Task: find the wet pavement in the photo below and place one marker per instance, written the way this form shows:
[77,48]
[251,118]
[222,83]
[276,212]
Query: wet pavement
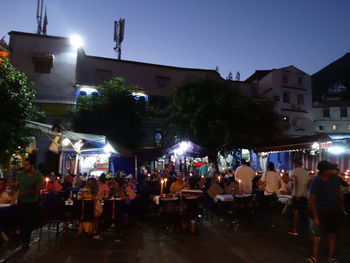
[226,239]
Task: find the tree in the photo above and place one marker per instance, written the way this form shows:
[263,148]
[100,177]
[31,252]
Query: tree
[214,114]
[229,76]
[111,111]
[16,99]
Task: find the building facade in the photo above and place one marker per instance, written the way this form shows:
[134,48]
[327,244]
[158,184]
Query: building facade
[60,72]
[332,117]
[50,62]
[289,89]
[331,97]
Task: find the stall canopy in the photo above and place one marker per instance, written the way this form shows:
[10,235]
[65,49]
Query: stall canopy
[89,141]
[293,144]
[184,148]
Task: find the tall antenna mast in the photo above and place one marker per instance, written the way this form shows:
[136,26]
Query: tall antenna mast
[119,27]
[39,14]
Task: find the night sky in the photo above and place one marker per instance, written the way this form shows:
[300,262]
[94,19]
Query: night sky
[235,35]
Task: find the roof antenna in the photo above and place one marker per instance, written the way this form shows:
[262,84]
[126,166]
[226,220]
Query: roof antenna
[119,27]
[45,23]
[39,15]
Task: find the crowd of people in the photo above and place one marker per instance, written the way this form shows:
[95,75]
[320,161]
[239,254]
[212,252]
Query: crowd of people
[325,195]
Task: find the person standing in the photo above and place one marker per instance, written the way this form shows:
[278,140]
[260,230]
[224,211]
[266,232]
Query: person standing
[326,202]
[29,183]
[203,170]
[272,181]
[212,170]
[300,182]
[246,175]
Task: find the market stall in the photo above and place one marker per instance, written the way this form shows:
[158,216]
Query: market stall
[81,152]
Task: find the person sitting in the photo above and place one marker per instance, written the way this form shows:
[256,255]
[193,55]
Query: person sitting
[178,185]
[54,185]
[286,185]
[230,185]
[117,189]
[214,188]
[6,216]
[5,196]
[77,182]
[67,184]
[103,186]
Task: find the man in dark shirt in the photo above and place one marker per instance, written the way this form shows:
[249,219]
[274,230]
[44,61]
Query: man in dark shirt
[29,183]
[325,201]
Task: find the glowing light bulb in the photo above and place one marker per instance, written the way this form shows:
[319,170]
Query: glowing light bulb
[76,41]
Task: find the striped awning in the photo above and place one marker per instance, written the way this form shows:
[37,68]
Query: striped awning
[292,144]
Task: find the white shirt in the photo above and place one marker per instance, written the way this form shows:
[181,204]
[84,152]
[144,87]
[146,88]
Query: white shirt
[272,180]
[246,175]
[300,178]
[211,171]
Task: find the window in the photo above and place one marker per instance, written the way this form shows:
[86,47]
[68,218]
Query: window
[162,81]
[43,62]
[343,112]
[326,113]
[300,81]
[286,98]
[334,127]
[300,99]
[103,75]
[285,79]
[320,127]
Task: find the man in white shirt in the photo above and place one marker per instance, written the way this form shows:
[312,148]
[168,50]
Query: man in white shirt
[300,181]
[246,175]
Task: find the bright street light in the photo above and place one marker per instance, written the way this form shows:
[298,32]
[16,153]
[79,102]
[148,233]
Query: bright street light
[76,41]
[66,142]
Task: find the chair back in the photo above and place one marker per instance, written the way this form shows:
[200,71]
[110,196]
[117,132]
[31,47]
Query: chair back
[169,206]
[53,210]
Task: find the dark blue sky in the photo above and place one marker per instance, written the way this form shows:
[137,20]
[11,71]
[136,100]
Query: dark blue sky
[236,35]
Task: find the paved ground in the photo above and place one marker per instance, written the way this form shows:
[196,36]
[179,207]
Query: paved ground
[224,240]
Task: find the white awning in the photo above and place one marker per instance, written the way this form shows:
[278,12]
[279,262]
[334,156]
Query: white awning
[47,129]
